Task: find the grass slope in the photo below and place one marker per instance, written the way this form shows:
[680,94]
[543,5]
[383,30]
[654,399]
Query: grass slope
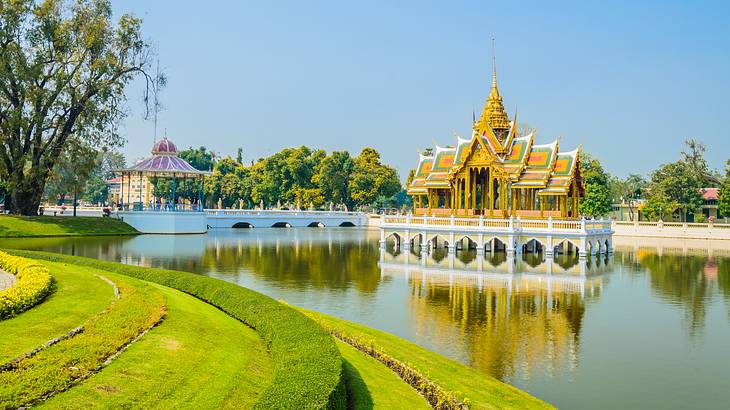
[372,385]
[37,226]
[483,391]
[308,367]
[58,367]
[79,295]
[198,357]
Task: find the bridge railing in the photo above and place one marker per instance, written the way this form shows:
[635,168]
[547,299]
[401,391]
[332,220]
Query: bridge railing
[496,225]
[278,212]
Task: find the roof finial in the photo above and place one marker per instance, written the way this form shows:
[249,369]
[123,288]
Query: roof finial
[494,65]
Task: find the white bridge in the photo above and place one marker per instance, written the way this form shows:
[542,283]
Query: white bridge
[513,235]
[239,218]
[180,220]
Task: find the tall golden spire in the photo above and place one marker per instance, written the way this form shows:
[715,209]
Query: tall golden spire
[494,114]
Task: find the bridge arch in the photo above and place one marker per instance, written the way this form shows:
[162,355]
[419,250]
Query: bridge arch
[470,243]
[417,239]
[242,225]
[316,225]
[493,242]
[533,245]
[437,239]
[347,224]
[395,236]
[281,225]
[563,244]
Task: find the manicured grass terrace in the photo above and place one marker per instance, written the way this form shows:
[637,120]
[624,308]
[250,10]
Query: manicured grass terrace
[38,226]
[196,357]
[200,357]
[482,390]
[307,366]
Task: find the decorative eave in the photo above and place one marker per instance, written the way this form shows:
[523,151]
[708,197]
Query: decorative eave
[523,161]
[476,140]
[512,134]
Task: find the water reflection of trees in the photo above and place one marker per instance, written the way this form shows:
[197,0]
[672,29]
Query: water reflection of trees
[688,281]
[301,263]
[508,327]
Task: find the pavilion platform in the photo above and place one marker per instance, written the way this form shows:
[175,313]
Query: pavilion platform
[511,235]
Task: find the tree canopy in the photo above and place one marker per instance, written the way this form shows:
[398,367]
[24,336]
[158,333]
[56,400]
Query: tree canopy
[303,178]
[63,69]
[597,201]
[677,186]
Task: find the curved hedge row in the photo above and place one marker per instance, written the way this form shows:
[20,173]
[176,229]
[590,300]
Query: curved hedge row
[307,364]
[33,284]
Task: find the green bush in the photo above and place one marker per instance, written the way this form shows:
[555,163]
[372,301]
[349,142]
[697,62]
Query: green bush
[307,364]
[33,284]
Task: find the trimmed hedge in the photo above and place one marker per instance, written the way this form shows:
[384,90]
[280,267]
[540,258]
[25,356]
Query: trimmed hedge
[308,372]
[33,284]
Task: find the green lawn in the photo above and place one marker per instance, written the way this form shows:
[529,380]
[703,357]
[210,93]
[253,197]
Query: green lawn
[60,366]
[483,391]
[307,365]
[37,226]
[79,295]
[201,357]
[198,357]
[370,384]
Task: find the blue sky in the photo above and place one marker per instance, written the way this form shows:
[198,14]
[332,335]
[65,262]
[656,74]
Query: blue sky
[629,81]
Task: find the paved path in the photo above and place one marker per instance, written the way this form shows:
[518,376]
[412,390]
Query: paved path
[6,280]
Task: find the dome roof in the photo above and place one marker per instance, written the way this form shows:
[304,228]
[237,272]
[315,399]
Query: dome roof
[164,147]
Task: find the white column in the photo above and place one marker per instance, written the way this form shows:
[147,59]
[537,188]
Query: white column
[582,252]
[549,244]
[424,243]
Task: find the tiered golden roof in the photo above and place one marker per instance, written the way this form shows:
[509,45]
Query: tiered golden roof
[493,114]
[525,164]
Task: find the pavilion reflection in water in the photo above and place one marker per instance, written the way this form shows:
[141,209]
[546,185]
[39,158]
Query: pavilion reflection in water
[512,317]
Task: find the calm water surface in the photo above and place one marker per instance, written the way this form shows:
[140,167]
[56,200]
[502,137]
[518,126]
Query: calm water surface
[646,328]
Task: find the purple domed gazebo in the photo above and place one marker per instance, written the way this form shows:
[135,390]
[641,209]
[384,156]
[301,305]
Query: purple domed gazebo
[164,163]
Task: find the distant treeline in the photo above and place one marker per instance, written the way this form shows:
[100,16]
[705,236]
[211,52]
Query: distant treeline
[294,178]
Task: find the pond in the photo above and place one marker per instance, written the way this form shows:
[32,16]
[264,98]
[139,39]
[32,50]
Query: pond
[648,327]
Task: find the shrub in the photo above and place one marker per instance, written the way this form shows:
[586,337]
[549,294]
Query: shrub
[438,397]
[33,284]
[307,364]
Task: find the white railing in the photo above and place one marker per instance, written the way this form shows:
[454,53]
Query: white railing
[685,225]
[496,225]
[279,212]
[709,230]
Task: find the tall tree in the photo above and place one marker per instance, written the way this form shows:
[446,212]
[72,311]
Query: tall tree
[97,191]
[723,204]
[63,69]
[72,171]
[678,184]
[628,190]
[371,179]
[333,177]
[694,157]
[597,201]
[200,158]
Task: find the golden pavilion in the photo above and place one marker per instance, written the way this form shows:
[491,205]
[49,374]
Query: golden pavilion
[498,173]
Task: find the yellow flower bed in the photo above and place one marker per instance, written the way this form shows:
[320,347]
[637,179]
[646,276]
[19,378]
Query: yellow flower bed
[33,284]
